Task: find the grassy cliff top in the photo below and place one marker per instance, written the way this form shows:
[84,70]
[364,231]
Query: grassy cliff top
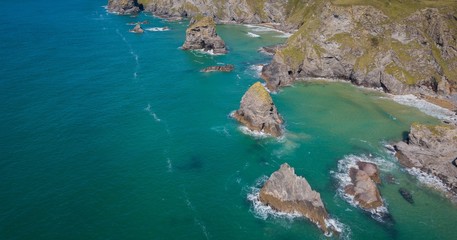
[258,90]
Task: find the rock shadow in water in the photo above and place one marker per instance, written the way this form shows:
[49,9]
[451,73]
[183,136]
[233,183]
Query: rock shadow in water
[193,163]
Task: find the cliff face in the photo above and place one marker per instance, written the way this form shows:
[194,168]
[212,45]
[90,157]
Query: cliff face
[124,7]
[239,11]
[201,34]
[403,47]
[433,149]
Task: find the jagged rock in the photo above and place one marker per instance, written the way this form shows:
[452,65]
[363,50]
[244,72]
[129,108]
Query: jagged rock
[286,192]
[363,187]
[201,34]
[224,68]
[406,195]
[432,149]
[137,29]
[258,112]
[270,50]
[124,7]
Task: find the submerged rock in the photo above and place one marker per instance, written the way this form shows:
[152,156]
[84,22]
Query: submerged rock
[363,188]
[258,112]
[124,7]
[201,34]
[224,68]
[431,149]
[286,192]
[137,29]
[406,195]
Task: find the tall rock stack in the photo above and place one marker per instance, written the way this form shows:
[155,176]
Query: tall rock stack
[201,35]
[258,112]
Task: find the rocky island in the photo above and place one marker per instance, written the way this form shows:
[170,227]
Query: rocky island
[286,192]
[433,150]
[363,186]
[258,112]
[201,35]
[223,68]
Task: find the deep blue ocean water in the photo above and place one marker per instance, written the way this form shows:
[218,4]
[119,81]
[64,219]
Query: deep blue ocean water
[105,134]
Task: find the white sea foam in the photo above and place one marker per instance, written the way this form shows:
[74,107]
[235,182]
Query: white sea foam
[169,165]
[153,114]
[196,219]
[426,107]
[428,179]
[134,55]
[157,29]
[250,34]
[256,28]
[221,130]
[255,134]
[343,178]
[255,70]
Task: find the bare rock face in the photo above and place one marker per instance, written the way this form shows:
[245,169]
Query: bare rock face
[258,112]
[363,187]
[415,53]
[224,68]
[432,149]
[201,34]
[137,29]
[286,192]
[124,7]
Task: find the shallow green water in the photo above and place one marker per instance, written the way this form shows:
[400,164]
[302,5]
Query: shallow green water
[111,135]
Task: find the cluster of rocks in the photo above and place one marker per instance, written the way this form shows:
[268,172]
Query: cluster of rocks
[363,186]
[137,29]
[223,68]
[201,34]
[433,150]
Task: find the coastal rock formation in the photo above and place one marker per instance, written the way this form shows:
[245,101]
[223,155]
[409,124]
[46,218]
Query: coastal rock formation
[363,187]
[201,34]
[406,195]
[124,7]
[258,112]
[137,29]
[239,11]
[224,68]
[396,47]
[286,192]
[432,149]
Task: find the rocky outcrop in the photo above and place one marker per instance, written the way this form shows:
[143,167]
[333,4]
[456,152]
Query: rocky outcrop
[137,29]
[286,192]
[224,68]
[432,149]
[363,188]
[201,34]
[401,51]
[406,195]
[258,112]
[124,7]
[239,11]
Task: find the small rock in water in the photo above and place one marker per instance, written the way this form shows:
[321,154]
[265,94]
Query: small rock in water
[406,195]
[224,68]
[137,29]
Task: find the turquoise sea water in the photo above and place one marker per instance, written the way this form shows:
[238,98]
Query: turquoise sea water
[110,135]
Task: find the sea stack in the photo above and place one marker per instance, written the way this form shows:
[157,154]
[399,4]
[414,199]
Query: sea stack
[124,7]
[432,149]
[258,112]
[201,34]
[137,29]
[363,186]
[286,192]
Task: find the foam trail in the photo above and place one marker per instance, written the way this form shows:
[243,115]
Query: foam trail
[428,179]
[134,55]
[169,165]
[157,29]
[196,220]
[250,34]
[148,109]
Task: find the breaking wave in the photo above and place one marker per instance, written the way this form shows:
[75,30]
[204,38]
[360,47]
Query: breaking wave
[250,34]
[157,29]
[426,107]
[428,179]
